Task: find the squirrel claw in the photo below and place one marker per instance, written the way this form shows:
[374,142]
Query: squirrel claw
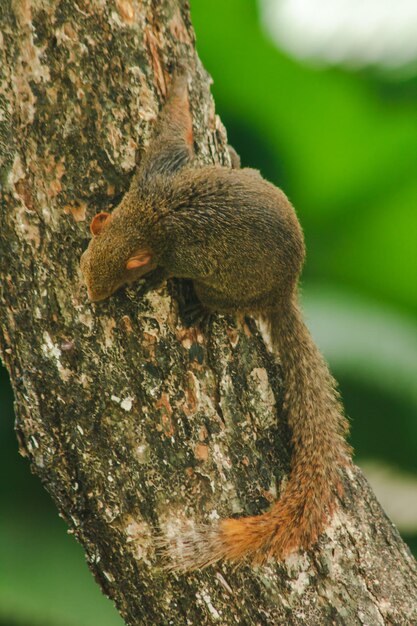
[192,311]
[196,315]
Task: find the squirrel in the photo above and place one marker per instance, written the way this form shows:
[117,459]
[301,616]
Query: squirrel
[237,238]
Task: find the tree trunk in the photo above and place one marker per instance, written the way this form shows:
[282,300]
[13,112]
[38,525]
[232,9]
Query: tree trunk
[133,422]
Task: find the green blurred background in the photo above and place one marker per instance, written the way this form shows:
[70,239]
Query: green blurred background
[341,140]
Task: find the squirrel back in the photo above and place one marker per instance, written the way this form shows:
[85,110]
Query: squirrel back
[238,239]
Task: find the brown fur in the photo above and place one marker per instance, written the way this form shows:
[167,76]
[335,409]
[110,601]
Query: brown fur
[238,239]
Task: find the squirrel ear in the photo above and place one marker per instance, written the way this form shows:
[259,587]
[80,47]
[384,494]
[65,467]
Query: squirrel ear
[98,222]
[139,260]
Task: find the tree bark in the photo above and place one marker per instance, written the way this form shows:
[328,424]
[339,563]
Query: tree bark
[133,422]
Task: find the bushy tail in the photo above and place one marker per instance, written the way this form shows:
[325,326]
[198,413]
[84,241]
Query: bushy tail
[318,429]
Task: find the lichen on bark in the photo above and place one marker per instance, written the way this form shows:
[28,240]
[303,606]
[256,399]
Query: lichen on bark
[133,422]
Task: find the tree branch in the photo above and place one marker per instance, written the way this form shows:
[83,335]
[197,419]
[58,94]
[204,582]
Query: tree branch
[133,422]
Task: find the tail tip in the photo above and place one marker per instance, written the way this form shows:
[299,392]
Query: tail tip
[186,546]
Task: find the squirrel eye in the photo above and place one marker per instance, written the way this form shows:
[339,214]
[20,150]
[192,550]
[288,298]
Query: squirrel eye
[138,260]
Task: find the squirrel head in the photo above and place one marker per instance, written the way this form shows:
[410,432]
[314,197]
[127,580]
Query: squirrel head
[114,257]
[119,251]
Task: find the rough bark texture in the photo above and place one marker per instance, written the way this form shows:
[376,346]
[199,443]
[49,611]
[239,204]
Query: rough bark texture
[132,422]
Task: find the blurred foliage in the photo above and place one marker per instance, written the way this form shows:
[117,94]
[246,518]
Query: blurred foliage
[343,147]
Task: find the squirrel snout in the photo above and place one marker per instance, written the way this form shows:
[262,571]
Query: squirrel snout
[91,296]
[96,297]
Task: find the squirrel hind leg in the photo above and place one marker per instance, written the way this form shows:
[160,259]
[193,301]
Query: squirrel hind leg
[234,158]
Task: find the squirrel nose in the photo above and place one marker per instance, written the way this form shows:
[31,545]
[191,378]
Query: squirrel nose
[92,296]
[96,297]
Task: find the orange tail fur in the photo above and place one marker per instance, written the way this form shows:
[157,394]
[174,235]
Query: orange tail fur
[318,428]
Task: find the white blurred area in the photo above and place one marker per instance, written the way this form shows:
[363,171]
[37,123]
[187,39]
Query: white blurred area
[358,338]
[397,493]
[355,33]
